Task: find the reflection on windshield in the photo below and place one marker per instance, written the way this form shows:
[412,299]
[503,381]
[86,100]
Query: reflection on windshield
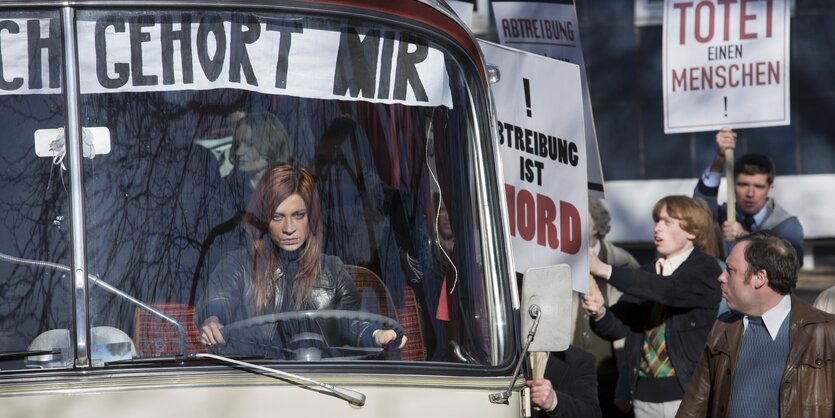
[382,217]
[172,221]
[34,203]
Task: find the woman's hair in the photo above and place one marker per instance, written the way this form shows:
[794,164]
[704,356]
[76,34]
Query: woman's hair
[277,184]
[269,136]
[695,217]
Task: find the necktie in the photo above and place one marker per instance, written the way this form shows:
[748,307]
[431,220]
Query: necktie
[655,362]
[748,221]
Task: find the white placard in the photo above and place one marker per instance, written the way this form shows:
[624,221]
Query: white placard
[551,30]
[539,107]
[726,64]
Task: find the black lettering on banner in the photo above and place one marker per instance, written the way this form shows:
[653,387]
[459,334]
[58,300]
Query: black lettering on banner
[285,41]
[538,144]
[406,72]
[137,38]
[356,63]
[17,82]
[562,147]
[385,65]
[573,154]
[212,66]
[530,170]
[168,35]
[238,56]
[121,69]
[52,45]
[517,138]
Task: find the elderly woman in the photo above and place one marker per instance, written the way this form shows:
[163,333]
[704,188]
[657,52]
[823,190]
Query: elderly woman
[284,270]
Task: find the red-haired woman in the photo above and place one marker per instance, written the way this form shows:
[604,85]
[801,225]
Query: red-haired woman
[284,269]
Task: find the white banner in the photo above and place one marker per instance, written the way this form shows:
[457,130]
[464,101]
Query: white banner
[543,150]
[726,64]
[551,29]
[182,51]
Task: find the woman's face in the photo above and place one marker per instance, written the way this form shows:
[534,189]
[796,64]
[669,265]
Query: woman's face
[290,224]
[247,156]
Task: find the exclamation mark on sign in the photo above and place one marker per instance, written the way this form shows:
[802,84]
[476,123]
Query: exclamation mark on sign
[726,106]
[527,84]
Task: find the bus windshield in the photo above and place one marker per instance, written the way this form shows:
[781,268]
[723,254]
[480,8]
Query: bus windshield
[284,186]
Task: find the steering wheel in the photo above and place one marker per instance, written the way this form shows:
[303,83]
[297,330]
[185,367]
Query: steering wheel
[312,315]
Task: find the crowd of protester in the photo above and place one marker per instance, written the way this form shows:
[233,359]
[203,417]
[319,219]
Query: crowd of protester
[711,327]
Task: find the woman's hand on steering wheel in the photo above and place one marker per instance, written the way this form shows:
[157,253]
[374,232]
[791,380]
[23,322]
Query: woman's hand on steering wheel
[210,333]
[384,336]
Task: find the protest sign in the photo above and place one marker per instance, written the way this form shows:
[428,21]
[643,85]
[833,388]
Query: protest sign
[550,29]
[200,51]
[539,107]
[726,64]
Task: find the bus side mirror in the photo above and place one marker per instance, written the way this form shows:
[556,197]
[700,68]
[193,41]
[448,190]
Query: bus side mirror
[549,290]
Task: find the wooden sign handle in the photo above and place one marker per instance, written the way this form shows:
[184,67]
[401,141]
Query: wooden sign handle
[731,183]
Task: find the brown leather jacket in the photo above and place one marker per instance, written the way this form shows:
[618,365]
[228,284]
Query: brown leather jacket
[808,387]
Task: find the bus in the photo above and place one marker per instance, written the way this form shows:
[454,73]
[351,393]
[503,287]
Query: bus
[136,136]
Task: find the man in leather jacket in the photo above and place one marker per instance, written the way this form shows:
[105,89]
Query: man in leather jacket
[744,370]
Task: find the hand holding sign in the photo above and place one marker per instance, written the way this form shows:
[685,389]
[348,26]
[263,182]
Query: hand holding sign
[725,140]
[593,303]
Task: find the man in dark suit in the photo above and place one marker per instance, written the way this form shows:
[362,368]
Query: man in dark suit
[568,387]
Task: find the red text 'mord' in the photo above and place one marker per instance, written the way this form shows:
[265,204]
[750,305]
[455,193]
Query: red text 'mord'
[535,218]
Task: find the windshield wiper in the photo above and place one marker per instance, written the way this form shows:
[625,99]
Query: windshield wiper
[14,355]
[352,397]
[175,359]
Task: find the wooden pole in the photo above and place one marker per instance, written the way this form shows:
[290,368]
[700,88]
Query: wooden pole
[539,359]
[730,181]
